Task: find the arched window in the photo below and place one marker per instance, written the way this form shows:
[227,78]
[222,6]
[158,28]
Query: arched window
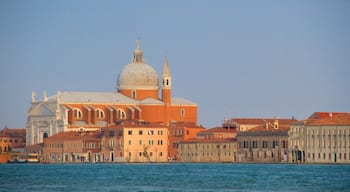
[78,114]
[121,114]
[133,94]
[182,112]
[100,114]
[45,135]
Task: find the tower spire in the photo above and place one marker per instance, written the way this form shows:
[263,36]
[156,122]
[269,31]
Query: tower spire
[166,70]
[138,54]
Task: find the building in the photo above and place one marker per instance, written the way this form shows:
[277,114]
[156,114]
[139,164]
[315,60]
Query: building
[217,144]
[12,140]
[135,142]
[179,132]
[80,146]
[136,99]
[216,150]
[322,138]
[244,124]
[265,143]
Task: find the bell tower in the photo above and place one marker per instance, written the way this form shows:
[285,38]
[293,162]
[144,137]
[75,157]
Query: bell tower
[166,86]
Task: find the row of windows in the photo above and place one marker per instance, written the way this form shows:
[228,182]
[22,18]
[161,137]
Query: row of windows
[6,140]
[330,156]
[207,154]
[120,114]
[89,145]
[180,132]
[335,142]
[145,154]
[224,146]
[265,155]
[263,144]
[150,142]
[149,132]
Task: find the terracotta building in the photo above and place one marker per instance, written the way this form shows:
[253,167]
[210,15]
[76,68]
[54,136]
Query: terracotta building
[267,142]
[80,146]
[179,132]
[212,145]
[10,139]
[324,137]
[135,142]
[137,98]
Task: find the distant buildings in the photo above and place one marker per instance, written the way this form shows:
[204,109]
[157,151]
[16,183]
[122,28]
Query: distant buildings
[137,124]
[321,138]
[136,99]
[12,139]
[265,143]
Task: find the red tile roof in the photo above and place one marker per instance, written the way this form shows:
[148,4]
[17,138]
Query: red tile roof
[324,115]
[324,118]
[335,119]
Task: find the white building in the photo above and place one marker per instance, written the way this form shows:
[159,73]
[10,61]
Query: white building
[322,138]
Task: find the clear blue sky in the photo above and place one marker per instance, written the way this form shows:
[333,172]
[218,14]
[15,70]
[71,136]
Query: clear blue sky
[233,58]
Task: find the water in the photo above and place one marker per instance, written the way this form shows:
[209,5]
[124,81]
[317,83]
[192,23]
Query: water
[174,177]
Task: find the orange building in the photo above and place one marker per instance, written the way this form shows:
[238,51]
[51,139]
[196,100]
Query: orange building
[135,142]
[179,132]
[11,139]
[136,99]
[82,146]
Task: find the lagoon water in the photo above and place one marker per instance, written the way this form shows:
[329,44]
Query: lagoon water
[174,177]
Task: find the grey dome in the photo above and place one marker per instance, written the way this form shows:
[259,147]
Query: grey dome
[138,77]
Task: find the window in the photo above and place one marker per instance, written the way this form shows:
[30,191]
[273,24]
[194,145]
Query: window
[140,132]
[78,114]
[129,142]
[182,112]
[111,143]
[133,94]
[160,132]
[120,115]
[100,114]
[150,132]
[160,142]
[111,133]
[264,144]
[129,132]
[140,142]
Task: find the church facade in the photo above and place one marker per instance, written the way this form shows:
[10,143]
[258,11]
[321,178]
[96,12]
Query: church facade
[137,98]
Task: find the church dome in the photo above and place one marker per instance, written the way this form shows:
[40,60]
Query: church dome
[138,75]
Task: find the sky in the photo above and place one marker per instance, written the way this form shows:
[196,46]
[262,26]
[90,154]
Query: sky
[233,58]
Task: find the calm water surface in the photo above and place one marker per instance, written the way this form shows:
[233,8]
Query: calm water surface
[174,177]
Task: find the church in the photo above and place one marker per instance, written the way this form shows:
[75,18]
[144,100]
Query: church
[139,97]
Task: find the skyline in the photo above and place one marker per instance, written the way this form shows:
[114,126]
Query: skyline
[234,59]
